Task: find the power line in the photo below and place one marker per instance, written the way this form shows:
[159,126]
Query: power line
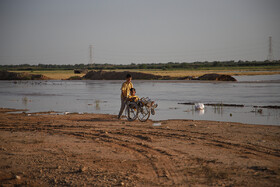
[90,54]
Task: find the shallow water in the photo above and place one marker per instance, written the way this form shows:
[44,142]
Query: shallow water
[258,78]
[104,97]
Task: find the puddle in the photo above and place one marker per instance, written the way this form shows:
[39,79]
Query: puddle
[156,124]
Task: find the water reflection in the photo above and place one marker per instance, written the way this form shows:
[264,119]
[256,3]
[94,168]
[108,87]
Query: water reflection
[218,109]
[97,104]
[200,112]
[24,101]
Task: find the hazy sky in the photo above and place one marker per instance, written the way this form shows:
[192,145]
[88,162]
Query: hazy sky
[137,31]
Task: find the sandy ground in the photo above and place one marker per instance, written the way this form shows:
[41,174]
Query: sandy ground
[99,150]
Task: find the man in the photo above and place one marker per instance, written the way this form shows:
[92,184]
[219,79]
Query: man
[125,90]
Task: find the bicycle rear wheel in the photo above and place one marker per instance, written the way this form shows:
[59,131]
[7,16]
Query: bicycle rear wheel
[131,111]
[144,113]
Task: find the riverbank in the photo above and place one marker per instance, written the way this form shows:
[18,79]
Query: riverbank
[66,74]
[98,149]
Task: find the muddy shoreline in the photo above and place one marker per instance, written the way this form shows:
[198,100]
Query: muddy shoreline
[98,149]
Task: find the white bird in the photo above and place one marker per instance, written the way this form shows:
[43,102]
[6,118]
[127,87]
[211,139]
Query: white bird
[199,106]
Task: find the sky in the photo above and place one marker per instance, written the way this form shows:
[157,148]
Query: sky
[137,31]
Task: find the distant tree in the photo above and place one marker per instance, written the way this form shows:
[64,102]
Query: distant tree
[216,63]
[168,66]
[143,66]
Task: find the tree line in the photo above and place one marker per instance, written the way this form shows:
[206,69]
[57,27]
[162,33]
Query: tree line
[162,66]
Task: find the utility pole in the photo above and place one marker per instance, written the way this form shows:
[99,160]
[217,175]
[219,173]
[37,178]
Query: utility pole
[270,53]
[91,54]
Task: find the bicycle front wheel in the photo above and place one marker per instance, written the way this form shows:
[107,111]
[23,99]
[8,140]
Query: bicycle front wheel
[144,113]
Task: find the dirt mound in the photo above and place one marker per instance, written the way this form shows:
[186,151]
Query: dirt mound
[5,75]
[79,71]
[216,77]
[112,75]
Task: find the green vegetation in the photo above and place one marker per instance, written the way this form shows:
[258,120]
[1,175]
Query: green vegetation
[216,65]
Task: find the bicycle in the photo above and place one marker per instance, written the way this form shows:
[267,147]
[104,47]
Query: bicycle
[141,109]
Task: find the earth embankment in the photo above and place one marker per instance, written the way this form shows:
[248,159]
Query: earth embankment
[216,77]
[6,75]
[113,75]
